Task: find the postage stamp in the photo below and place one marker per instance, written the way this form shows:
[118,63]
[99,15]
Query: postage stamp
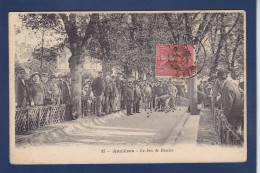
[175,61]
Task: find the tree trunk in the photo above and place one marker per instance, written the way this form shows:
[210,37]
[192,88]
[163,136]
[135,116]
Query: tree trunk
[76,88]
[232,64]
[193,95]
[104,68]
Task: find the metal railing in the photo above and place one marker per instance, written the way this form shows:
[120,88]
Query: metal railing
[30,118]
[226,132]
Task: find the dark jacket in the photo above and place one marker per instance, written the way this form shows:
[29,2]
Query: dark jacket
[129,94]
[165,88]
[109,90]
[160,91]
[137,93]
[21,93]
[66,93]
[154,90]
[97,86]
[36,94]
[231,103]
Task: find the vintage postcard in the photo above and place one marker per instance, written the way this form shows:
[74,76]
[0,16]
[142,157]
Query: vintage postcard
[127,87]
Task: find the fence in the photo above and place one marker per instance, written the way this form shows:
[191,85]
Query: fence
[30,118]
[227,134]
[89,106]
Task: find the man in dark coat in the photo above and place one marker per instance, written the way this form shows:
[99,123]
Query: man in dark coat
[154,93]
[21,90]
[137,98]
[165,87]
[36,91]
[160,92]
[109,95]
[47,89]
[231,101]
[98,89]
[123,93]
[129,98]
[65,89]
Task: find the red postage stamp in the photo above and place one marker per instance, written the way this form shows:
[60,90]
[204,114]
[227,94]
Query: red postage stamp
[175,61]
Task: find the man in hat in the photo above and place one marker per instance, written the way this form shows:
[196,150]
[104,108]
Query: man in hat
[21,90]
[65,89]
[148,98]
[56,90]
[129,98]
[154,92]
[137,98]
[160,92]
[123,92]
[98,89]
[47,89]
[36,90]
[172,91]
[231,102]
[114,96]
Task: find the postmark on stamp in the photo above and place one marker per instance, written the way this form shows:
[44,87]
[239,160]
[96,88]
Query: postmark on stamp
[175,61]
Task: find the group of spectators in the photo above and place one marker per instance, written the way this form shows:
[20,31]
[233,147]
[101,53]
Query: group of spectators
[111,94]
[227,95]
[41,89]
[116,92]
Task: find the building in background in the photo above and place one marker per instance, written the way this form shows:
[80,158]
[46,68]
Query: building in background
[90,66]
[23,51]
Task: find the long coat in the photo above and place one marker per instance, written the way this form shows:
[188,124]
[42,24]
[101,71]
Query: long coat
[66,94]
[231,103]
[137,93]
[48,92]
[129,94]
[21,93]
[98,86]
[36,94]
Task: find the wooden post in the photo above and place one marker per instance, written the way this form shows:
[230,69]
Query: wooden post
[193,95]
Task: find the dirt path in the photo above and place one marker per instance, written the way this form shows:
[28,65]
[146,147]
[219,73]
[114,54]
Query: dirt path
[206,133]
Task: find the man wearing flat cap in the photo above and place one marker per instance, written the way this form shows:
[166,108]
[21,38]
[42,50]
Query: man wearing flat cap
[231,101]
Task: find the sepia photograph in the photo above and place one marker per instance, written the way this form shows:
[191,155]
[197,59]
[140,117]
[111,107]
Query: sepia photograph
[127,87]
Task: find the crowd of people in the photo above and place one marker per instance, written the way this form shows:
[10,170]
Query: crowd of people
[41,89]
[117,92]
[111,94]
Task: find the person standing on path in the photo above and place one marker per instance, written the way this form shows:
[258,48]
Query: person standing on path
[148,98]
[109,97]
[172,91]
[137,98]
[21,89]
[98,89]
[129,98]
